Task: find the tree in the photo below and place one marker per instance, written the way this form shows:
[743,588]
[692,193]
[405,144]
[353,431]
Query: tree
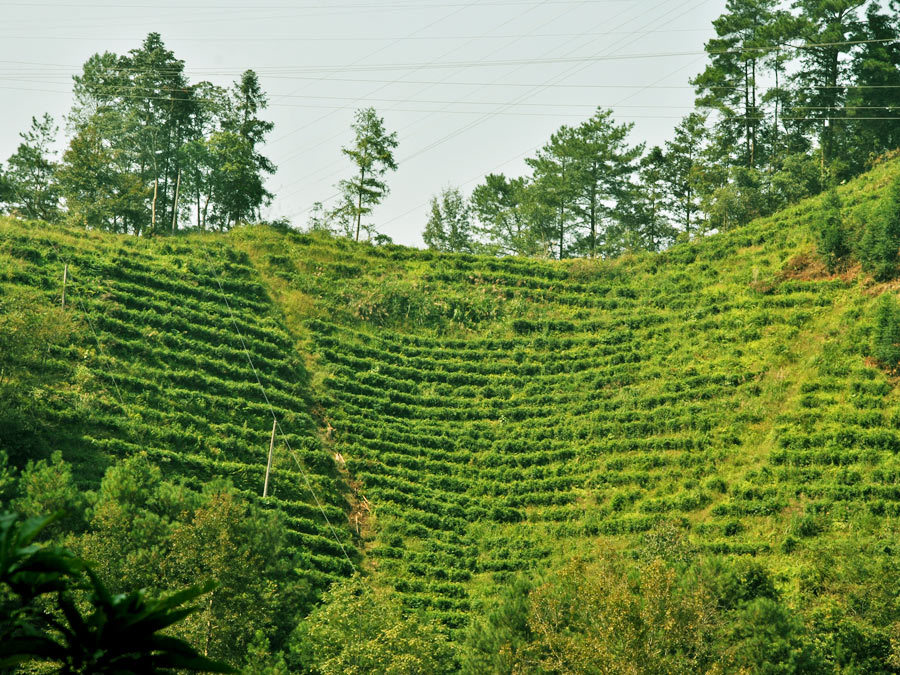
[372,154]
[794,177]
[602,166]
[247,164]
[97,181]
[552,186]
[651,202]
[360,629]
[245,550]
[145,532]
[160,104]
[149,146]
[29,183]
[768,638]
[31,329]
[581,175]
[196,158]
[828,27]
[498,204]
[141,106]
[881,240]
[737,202]
[682,171]
[729,84]
[497,632]
[47,487]
[449,226]
[107,634]
[605,617]
[886,339]
[234,182]
[831,235]
[875,73]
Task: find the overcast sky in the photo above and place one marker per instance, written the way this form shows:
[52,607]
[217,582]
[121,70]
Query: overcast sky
[471,87]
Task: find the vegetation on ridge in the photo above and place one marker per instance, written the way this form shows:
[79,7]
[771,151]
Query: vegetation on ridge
[698,445]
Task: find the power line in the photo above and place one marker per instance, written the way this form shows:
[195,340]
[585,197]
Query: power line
[350,38]
[297,152]
[285,71]
[333,174]
[379,6]
[484,117]
[385,85]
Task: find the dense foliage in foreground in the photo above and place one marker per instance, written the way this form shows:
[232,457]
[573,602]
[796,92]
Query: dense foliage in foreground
[699,447]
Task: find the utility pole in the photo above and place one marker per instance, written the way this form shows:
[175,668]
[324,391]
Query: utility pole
[153,206]
[175,203]
[65,279]
[269,463]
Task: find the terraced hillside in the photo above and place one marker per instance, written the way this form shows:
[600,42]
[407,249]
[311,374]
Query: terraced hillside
[161,368]
[462,418]
[500,415]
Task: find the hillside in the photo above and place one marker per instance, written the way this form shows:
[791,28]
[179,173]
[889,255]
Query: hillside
[461,419]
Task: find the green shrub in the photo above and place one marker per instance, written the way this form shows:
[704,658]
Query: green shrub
[831,235]
[886,338]
[881,240]
[766,637]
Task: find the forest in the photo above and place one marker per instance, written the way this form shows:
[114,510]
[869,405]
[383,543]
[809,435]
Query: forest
[633,412]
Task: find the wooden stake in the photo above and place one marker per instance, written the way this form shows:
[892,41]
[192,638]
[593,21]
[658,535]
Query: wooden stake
[65,279]
[153,207]
[175,205]
[269,463]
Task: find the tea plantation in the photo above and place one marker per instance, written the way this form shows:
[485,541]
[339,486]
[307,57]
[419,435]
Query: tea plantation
[461,419]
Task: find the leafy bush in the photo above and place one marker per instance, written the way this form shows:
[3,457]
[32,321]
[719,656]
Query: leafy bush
[117,633]
[886,336]
[831,235]
[880,242]
[359,629]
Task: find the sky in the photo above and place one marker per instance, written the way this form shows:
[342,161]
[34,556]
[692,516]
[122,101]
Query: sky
[470,86]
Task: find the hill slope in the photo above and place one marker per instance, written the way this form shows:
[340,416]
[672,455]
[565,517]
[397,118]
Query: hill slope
[462,418]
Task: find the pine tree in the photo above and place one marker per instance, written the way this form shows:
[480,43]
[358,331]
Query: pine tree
[831,235]
[650,203]
[552,186]
[97,181]
[730,83]
[29,185]
[875,82]
[581,175]
[144,108]
[880,243]
[498,205]
[886,341]
[449,226]
[682,171]
[820,91]
[603,164]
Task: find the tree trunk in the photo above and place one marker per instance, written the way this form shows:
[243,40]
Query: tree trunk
[747,115]
[777,98]
[753,108]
